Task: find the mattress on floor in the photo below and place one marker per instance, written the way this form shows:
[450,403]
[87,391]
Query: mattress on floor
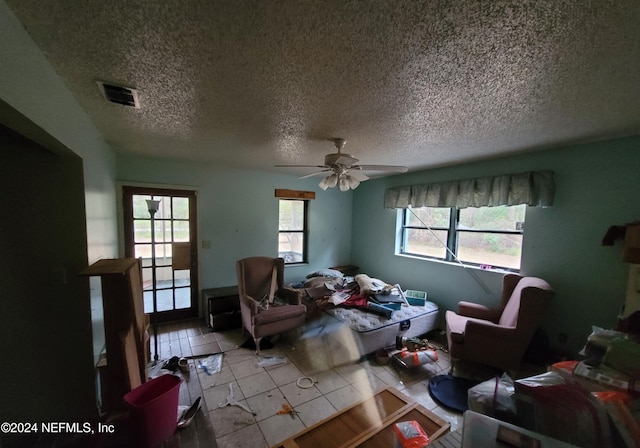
[374,332]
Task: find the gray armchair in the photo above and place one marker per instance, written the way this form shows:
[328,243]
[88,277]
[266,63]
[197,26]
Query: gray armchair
[255,276]
[499,336]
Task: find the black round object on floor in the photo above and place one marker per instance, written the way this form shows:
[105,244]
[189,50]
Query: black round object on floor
[451,392]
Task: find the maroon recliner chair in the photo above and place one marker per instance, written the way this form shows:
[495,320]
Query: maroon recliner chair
[500,336]
[258,278]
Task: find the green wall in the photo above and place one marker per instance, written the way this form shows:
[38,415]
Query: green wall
[596,187]
[238,214]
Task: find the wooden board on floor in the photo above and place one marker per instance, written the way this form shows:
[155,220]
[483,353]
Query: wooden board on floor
[368,423]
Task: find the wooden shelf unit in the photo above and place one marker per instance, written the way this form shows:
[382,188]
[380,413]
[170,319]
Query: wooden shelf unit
[125,327]
[368,423]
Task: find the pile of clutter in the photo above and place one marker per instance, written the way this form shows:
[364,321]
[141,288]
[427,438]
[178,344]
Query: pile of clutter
[409,352]
[612,359]
[414,352]
[593,402]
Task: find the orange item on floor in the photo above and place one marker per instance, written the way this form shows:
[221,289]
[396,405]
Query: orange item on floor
[410,434]
[286,409]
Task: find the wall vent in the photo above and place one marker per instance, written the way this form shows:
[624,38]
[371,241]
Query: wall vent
[125,96]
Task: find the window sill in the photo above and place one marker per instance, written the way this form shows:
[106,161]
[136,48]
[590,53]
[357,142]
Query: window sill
[461,264]
[293,265]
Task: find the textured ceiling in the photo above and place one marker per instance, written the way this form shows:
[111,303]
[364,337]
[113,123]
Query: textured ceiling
[417,83]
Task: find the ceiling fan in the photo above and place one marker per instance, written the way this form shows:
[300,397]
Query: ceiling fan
[344,171]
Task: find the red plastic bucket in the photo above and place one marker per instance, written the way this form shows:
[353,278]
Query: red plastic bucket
[154,409]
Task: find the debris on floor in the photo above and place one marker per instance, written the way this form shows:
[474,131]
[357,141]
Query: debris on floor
[211,364]
[233,402]
[287,409]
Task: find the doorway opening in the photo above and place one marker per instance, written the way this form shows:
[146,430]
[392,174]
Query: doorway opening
[168,251]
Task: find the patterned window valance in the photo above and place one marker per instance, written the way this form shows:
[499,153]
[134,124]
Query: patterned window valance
[534,188]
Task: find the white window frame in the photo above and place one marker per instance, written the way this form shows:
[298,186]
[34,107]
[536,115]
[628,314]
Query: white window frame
[451,241]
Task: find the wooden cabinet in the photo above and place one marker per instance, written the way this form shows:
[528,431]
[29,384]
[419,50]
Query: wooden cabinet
[223,307]
[125,327]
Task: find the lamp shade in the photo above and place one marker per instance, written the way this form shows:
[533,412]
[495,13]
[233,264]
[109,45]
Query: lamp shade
[323,183]
[344,183]
[153,206]
[353,182]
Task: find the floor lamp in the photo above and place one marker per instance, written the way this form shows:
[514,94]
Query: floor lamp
[153,205]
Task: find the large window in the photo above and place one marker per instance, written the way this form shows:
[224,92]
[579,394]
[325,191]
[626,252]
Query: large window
[292,231]
[490,237]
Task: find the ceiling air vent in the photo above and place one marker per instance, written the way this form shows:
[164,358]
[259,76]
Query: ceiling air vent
[120,95]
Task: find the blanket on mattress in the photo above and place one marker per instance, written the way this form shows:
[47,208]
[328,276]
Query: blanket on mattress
[318,292]
[370,331]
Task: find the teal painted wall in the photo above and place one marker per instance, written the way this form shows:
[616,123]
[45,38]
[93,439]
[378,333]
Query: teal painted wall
[238,214]
[596,186]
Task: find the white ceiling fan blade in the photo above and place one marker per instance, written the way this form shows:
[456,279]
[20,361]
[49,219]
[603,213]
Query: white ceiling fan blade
[357,175]
[389,168]
[315,173]
[340,159]
[342,169]
[300,166]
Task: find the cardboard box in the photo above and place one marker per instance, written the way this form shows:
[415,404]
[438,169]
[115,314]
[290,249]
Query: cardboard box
[607,377]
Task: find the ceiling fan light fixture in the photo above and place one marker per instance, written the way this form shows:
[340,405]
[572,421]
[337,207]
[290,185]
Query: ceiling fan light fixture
[344,183]
[347,174]
[329,181]
[353,182]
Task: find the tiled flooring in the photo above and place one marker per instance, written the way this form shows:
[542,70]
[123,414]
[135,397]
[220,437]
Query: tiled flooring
[322,352]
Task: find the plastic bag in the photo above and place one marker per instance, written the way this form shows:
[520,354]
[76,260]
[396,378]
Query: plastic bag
[411,359]
[494,397]
[597,343]
[542,380]
[211,364]
[622,410]
[410,434]
[267,361]
[562,410]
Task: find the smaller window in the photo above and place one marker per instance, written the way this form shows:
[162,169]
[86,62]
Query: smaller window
[292,231]
[418,239]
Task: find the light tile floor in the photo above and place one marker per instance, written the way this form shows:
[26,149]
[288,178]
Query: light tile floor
[324,353]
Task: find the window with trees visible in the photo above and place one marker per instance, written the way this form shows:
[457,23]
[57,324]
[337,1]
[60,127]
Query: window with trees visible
[490,237]
[292,231]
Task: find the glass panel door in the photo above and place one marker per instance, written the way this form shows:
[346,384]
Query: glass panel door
[166,243]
